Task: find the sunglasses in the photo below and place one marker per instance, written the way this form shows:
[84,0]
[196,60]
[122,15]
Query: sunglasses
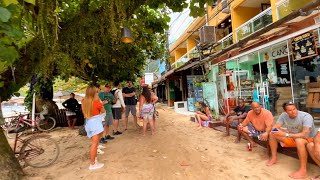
[287,104]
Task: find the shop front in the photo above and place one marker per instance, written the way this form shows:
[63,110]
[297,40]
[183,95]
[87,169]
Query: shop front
[286,69]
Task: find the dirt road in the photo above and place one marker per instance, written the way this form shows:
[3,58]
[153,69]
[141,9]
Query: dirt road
[178,150]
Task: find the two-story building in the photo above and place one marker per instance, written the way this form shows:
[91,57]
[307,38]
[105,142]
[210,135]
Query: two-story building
[262,50]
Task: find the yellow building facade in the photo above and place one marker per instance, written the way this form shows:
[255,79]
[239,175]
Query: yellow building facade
[233,20]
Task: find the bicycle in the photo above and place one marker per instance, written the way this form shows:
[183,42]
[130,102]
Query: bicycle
[46,124]
[37,150]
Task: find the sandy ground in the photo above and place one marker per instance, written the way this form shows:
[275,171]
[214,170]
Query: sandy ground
[178,150]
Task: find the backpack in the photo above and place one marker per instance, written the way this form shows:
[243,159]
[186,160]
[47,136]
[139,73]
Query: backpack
[113,92]
[82,131]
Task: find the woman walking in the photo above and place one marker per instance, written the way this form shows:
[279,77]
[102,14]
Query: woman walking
[92,109]
[146,108]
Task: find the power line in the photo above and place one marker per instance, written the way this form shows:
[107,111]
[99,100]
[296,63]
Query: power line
[188,10]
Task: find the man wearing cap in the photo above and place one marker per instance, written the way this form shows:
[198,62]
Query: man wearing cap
[108,98]
[314,150]
[129,94]
[293,129]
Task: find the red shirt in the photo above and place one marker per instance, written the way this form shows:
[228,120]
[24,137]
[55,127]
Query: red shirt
[97,107]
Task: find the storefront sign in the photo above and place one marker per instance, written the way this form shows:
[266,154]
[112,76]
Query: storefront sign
[222,68]
[198,96]
[148,78]
[283,68]
[276,53]
[303,46]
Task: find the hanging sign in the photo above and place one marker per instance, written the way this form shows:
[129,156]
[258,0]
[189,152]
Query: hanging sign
[222,68]
[303,46]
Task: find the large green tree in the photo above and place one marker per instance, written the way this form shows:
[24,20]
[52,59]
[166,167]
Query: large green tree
[46,39]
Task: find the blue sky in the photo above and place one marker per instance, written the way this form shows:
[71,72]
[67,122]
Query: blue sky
[178,24]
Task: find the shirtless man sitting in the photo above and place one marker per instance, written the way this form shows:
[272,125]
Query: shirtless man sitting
[293,129]
[261,123]
[314,151]
[238,114]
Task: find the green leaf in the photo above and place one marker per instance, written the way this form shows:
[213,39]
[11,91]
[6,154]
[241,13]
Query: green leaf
[31,1]
[5,14]
[8,54]
[8,2]
[1,84]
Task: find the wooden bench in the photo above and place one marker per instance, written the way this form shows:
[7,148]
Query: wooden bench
[292,152]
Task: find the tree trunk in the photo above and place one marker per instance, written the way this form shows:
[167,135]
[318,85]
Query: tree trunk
[1,114]
[10,168]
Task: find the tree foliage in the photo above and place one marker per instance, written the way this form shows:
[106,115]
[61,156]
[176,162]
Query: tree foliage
[81,38]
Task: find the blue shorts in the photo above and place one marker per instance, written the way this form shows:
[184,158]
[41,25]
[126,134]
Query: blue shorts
[94,125]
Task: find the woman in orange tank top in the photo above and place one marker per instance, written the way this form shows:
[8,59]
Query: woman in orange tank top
[92,108]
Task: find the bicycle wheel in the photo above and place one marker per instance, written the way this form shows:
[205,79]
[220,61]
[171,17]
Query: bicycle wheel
[46,124]
[10,126]
[40,151]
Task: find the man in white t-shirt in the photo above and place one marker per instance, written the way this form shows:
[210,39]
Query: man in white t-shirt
[314,149]
[118,107]
[294,128]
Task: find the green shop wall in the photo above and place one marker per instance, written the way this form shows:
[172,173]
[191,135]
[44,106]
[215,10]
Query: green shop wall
[232,65]
[171,90]
[210,76]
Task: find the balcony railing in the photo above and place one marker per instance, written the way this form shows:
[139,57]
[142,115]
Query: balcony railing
[226,41]
[285,7]
[256,23]
[192,53]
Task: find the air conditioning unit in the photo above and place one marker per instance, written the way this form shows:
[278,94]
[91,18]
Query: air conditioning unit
[225,8]
[207,34]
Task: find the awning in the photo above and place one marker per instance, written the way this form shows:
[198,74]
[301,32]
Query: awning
[168,73]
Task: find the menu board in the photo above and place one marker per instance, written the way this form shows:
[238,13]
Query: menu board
[303,46]
[222,68]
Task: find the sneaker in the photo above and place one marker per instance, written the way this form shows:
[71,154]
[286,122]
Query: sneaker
[99,151]
[96,165]
[101,146]
[103,141]
[109,137]
[117,133]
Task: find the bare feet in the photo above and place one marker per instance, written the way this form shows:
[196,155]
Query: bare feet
[271,162]
[300,174]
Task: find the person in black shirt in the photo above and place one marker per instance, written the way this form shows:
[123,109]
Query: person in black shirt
[129,94]
[236,116]
[72,107]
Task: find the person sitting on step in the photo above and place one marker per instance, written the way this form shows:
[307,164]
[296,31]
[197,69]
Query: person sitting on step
[236,116]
